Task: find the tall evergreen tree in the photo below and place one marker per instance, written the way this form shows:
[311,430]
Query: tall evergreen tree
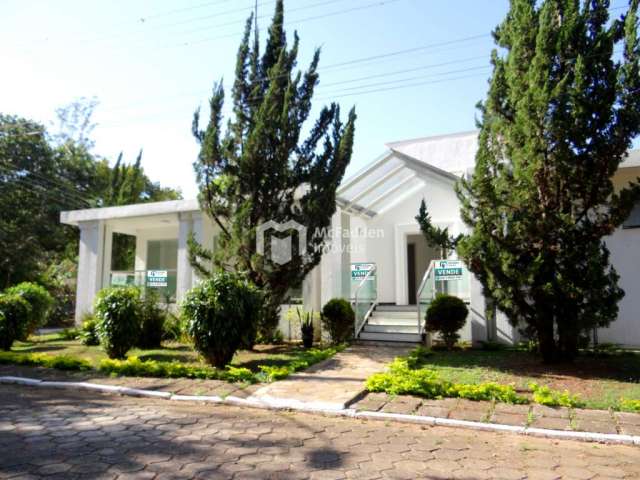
[260,170]
[561,114]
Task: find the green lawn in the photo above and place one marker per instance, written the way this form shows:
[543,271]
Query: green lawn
[600,380]
[55,344]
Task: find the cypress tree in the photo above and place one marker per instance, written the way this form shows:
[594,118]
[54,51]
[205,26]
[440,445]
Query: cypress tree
[260,168]
[562,110]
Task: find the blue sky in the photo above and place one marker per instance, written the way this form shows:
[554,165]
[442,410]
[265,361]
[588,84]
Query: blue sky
[151,63]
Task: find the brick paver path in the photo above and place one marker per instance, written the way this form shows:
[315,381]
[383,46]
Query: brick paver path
[538,416]
[57,434]
[336,382]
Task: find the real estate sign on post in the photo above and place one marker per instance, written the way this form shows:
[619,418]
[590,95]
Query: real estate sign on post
[448,270]
[157,278]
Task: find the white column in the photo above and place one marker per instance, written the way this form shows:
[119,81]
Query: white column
[106,256]
[311,290]
[141,251]
[332,262]
[186,276]
[90,266]
[345,257]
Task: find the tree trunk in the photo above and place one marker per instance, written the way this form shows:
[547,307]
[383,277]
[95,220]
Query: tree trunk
[568,339]
[548,347]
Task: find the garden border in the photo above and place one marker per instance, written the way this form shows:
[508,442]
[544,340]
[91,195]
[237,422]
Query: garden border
[296,405]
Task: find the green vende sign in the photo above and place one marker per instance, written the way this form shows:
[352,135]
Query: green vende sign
[448,270]
[360,270]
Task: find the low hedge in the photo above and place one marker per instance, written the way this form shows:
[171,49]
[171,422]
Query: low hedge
[407,376]
[401,379]
[60,362]
[134,367]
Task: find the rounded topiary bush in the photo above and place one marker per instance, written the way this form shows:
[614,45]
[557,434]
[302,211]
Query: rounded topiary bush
[152,318]
[40,301]
[447,315]
[222,312]
[339,319]
[118,311]
[15,313]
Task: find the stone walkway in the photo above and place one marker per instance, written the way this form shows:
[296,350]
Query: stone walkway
[335,383]
[58,434]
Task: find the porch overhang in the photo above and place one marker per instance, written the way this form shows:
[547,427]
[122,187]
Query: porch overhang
[74,217]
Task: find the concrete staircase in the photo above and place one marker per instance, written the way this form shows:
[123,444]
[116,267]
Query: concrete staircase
[392,323]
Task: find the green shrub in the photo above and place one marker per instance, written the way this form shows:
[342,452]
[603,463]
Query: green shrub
[446,315]
[175,329]
[418,356]
[15,314]
[553,398]
[118,312]
[629,405]
[70,333]
[40,301]
[89,331]
[151,321]
[339,319]
[61,362]
[222,313]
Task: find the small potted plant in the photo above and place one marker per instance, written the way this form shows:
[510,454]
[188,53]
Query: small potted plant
[306,327]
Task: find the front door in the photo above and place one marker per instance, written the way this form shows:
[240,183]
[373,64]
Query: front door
[411,272]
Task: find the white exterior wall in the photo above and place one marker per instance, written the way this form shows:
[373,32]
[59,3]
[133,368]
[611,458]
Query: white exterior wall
[625,257]
[624,246]
[389,252]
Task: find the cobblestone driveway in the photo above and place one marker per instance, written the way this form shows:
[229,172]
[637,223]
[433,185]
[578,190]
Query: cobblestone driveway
[67,435]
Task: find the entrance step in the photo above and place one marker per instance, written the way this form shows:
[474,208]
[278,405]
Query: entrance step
[408,315]
[396,308]
[387,328]
[390,337]
[380,320]
[392,323]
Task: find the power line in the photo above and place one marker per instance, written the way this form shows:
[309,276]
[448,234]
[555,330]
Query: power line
[378,3]
[38,181]
[41,189]
[234,23]
[183,9]
[403,86]
[329,95]
[377,84]
[321,86]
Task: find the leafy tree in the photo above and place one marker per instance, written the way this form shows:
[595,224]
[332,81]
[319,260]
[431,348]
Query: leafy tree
[560,116]
[260,169]
[29,209]
[42,174]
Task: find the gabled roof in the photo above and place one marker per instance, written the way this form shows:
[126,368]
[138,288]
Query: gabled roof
[384,183]
[453,153]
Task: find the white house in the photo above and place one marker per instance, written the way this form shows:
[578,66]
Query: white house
[376,253]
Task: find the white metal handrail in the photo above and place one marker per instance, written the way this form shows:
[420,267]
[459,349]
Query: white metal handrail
[360,324]
[421,288]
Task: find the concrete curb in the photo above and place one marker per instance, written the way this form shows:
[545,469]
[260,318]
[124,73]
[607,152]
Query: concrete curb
[297,405]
